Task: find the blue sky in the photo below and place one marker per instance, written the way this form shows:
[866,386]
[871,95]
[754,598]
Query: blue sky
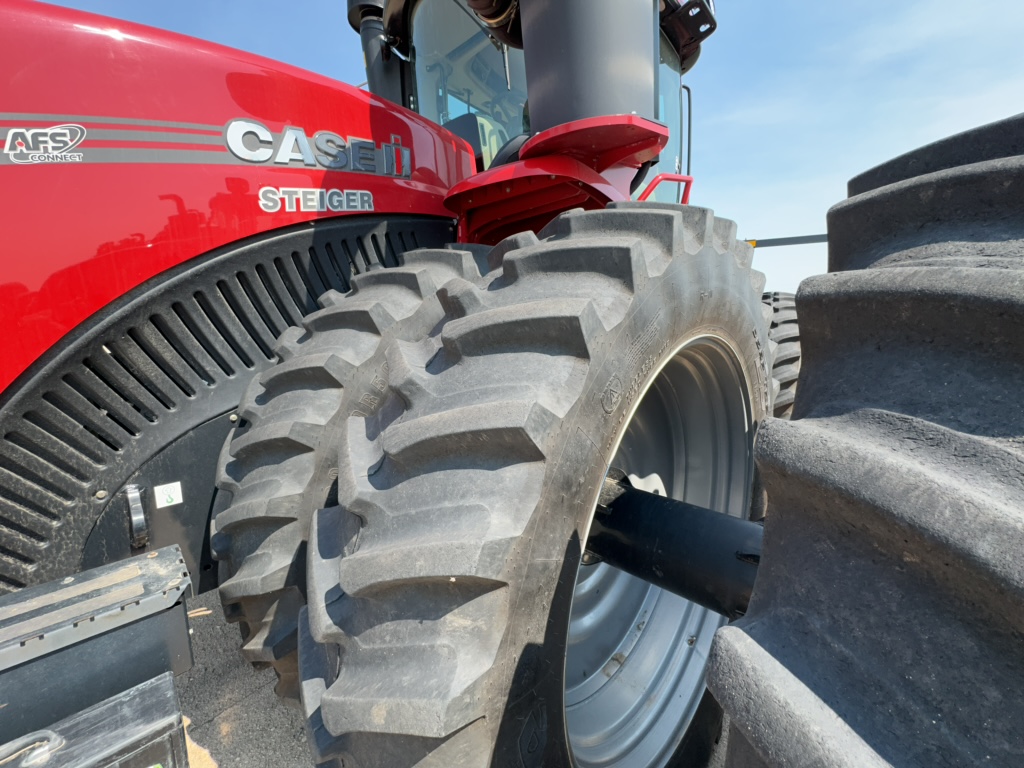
[791,97]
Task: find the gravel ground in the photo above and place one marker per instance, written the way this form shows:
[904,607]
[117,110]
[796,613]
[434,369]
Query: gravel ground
[233,710]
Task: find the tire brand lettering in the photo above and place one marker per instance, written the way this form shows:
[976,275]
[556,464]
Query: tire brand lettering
[765,388]
[311,200]
[370,401]
[534,738]
[612,395]
[44,145]
[634,389]
[642,342]
[255,143]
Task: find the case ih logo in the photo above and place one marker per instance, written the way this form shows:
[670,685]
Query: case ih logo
[255,143]
[44,145]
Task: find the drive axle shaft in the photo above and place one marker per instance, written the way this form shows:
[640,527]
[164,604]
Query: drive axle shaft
[700,554]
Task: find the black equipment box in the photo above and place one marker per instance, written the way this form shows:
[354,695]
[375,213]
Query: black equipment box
[87,665]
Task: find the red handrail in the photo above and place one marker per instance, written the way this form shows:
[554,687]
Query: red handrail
[686,181]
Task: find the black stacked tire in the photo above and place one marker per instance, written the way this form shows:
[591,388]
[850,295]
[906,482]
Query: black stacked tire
[886,625]
[329,368]
[440,584]
[785,332]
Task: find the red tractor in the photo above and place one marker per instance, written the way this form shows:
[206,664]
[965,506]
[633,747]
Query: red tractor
[466,434]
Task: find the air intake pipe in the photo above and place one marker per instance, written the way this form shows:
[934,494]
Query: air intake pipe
[589,58]
[383,70]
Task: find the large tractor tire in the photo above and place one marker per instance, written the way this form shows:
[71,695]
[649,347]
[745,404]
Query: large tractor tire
[785,332]
[886,624]
[330,367]
[450,621]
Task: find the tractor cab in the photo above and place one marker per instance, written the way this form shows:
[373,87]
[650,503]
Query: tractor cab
[466,80]
[448,63]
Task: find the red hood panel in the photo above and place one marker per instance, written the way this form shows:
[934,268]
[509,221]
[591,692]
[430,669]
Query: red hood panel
[126,150]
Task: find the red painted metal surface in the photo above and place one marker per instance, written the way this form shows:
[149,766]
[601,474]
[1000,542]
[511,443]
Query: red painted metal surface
[525,196]
[155,184]
[686,181]
[601,142]
[585,163]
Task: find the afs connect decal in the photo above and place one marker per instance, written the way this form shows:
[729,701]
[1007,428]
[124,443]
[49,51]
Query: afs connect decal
[239,142]
[44,145]
[255,143]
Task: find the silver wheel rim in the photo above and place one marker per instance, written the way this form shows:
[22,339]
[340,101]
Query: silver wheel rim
[636,654]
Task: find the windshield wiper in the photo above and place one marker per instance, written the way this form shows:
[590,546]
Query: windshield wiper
[508,72]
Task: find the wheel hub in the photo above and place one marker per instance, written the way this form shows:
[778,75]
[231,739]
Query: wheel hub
[636,654]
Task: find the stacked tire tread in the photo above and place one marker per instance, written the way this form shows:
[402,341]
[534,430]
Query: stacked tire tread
[885,625]
[785,332]
[272,468]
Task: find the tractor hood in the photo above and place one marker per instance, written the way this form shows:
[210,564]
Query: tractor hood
[126,151]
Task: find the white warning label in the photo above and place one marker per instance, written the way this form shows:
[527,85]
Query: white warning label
[167,495]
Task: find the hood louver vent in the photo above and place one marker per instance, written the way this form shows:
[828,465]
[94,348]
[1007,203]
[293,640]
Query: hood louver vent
[177,352]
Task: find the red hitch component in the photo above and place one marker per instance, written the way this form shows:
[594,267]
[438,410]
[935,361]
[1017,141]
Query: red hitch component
[582,164]
[686,181]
